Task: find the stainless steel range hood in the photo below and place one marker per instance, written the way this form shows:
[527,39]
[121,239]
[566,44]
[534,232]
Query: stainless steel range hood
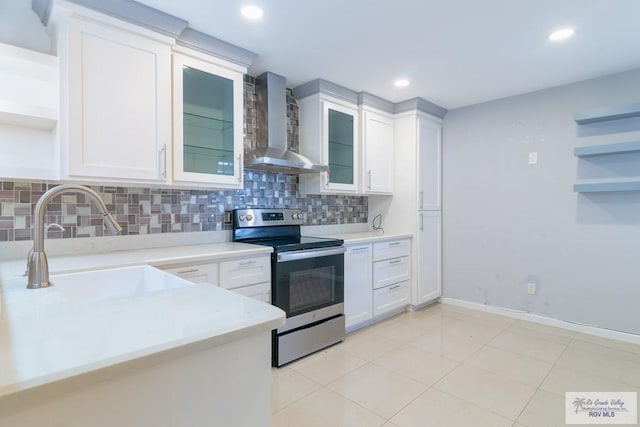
[273,155]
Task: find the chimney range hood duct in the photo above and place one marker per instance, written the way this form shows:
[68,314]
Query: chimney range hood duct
[271,100]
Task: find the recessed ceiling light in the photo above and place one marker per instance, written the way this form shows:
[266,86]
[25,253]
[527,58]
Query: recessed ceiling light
[401,83]
[252,12]
[561,34]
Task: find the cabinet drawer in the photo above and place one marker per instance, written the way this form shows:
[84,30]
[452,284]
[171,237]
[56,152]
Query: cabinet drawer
[391,249]
[261,292]
[243,272]
[203,273]
[390,271]
[390,298]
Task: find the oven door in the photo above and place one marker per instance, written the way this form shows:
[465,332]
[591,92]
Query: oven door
[308,280]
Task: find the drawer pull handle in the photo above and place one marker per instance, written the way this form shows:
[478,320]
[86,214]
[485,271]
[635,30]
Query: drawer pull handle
[359,249]
[395,261]
[394,244]
[394,287]
[188,270]
[247,262]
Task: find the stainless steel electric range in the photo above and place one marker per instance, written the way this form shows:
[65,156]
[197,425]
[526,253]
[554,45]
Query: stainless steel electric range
[307,280]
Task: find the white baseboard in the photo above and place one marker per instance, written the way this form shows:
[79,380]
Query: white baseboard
[544,320]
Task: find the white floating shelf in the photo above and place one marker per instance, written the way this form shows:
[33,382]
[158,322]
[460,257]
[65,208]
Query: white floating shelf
[608,113]
[595,150]
[29,88]
[607,186]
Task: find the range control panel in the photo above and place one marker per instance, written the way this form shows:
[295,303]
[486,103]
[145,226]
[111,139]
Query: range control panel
[266,217]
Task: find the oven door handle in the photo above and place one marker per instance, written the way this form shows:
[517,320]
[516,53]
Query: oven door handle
[315,253]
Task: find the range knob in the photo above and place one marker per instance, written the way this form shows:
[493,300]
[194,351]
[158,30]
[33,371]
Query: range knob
[249,217]
[241,217]
[293,216]
[298,216]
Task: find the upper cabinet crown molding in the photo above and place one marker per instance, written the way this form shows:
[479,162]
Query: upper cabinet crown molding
[372,101]
[212,46]
[148,18]
[421,105]
[320,86]
[125,10]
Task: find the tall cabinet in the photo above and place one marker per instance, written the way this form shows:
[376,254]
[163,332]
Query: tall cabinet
[416,204]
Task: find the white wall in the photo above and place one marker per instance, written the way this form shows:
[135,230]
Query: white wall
[20,26]
[507,223]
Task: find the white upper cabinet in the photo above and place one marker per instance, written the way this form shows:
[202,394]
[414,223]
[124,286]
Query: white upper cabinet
[329,134]
[430,161]
[207,121]
[116,116]
[128,113]
[377,152]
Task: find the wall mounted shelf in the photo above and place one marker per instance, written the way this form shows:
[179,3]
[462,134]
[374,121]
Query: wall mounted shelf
[607,186]
[28,88]
[608,113]
[596,150]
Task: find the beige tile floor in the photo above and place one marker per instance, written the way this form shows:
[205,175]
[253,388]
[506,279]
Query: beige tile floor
[449,366]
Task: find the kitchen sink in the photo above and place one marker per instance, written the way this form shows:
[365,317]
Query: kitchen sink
[98,285]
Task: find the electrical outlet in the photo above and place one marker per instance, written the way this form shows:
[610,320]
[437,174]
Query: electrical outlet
[533,158]
[531,288]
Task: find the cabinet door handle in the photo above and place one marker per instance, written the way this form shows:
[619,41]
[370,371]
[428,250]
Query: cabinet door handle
[421,199]
[395,261]
[421,221]
[188,270]
[238,173]
[247,262]
[163,161]
[326,179]
[369,179]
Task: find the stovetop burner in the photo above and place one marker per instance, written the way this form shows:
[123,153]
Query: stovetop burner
[278,228]
[298,243]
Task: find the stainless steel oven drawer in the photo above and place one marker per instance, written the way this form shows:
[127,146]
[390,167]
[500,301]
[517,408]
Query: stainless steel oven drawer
[299,343]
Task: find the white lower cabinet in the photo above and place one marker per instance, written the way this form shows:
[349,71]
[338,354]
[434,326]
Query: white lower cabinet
[243,272]
[391,274]
[390,298]
[200,273]
[250,277]
[358,298]
[261,291]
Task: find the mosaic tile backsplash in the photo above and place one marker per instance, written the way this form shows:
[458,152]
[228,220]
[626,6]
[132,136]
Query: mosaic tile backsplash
[157,210]
[142,210]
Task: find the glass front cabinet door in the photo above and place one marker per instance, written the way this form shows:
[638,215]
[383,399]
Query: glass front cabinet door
[329,133]
[208,122]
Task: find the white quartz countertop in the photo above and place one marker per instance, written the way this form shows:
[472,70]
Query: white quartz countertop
[157,257]
[46,337]
[368,237]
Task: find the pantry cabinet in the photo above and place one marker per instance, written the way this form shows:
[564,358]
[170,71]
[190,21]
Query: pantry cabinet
[116,100]
[207,121]
[429,268]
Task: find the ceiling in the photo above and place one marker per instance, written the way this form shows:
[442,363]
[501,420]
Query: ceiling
[455,52]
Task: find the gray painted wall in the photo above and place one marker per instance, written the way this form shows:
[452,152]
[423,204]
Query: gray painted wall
[20,26]
[506,223]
